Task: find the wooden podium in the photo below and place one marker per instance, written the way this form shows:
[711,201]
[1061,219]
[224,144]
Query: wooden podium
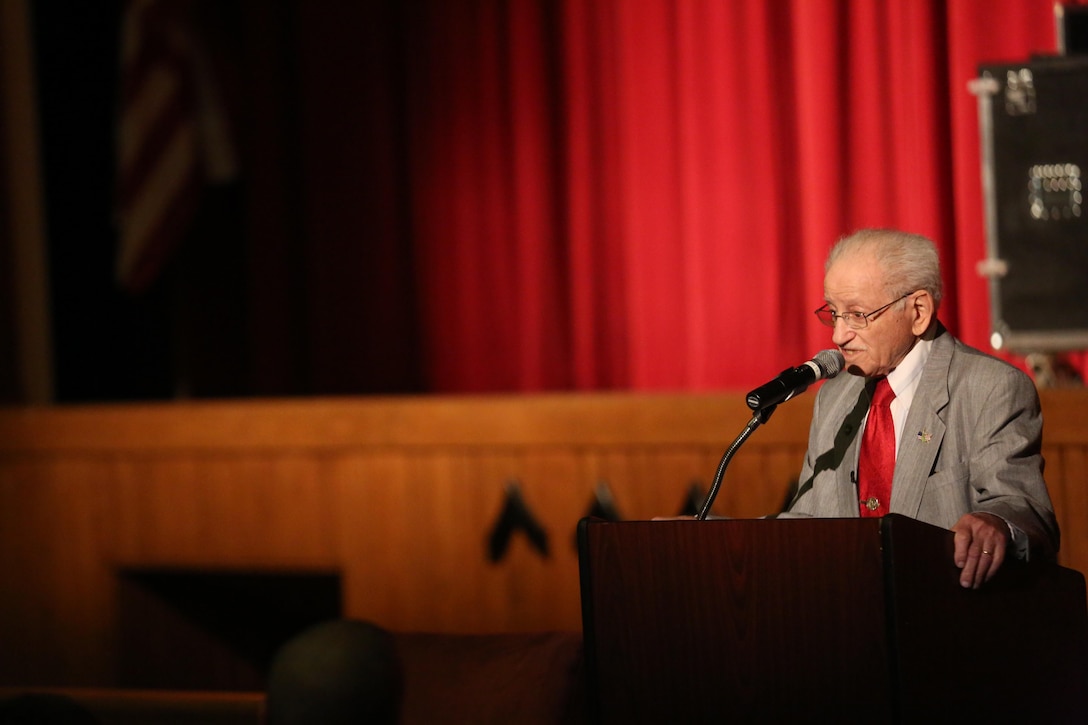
[822,620]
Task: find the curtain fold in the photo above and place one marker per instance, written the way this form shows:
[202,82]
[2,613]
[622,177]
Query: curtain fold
[640,193]
[530,195]
[630,194]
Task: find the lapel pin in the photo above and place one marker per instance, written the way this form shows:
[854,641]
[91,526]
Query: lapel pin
[925,436]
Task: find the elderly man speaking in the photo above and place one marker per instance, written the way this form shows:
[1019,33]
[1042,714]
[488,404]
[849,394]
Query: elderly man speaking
[923,425]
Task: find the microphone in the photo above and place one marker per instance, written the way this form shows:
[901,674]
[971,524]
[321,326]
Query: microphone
[790,382]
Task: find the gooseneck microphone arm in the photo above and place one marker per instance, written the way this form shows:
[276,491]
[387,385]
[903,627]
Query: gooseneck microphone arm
[763,401]
[762,416]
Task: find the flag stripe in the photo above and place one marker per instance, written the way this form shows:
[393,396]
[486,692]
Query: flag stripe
[159,172]
[171,183]
[148,128]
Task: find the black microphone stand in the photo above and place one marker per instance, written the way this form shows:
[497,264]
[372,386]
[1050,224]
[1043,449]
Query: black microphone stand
[761,416]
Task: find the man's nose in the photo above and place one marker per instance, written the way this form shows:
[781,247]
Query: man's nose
[842,333]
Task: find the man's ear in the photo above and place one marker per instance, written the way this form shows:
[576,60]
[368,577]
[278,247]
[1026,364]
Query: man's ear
[923,311]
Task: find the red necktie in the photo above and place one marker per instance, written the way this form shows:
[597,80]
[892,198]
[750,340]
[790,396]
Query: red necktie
[876,464]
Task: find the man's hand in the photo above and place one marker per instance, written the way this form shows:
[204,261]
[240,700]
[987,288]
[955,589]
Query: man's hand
[981,542]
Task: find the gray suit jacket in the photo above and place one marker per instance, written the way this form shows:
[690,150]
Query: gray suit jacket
[971,443]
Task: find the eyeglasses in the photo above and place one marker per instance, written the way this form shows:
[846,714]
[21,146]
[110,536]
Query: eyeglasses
[853,320]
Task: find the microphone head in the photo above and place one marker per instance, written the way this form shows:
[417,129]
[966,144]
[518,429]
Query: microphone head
[830,363]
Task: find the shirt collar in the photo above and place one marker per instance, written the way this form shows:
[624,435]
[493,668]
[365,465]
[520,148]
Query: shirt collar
[906,374]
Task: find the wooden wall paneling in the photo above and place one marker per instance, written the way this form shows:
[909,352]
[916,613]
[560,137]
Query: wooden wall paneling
[82,576]
[471,592]
[22,590]
[429,542]
[146,521]
[784,467]
[757,479]
[527,584]
[437,529]
[1071,506]
[745,483]
[660,480]
[1065,438]
[398,495]
[756,482]
[225,511]
[57,597]
[199,548]
[635,486]
[164,515]
[267,511]
[375,526]
[547,589]
[679,469]
[641,478]
[25,593]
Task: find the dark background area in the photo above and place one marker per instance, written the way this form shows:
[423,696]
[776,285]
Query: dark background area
[255,299]
[438,197]
[107,344]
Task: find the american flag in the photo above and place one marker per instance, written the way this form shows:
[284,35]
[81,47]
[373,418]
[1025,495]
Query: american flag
[172,136]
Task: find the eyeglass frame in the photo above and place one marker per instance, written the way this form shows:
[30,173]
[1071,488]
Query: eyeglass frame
[833,317]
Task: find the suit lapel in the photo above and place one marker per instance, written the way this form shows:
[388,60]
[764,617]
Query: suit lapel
[849,496]
[852,403]
[923,431]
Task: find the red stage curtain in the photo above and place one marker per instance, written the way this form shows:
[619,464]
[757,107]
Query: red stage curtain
[640,193]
